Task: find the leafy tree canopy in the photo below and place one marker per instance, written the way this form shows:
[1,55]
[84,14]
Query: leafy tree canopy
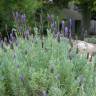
[9,6]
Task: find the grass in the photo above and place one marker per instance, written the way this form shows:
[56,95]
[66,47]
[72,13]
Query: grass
[30,70]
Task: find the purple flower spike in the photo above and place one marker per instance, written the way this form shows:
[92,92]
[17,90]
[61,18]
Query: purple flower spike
[11,37]
[63,24]
[27,31]
[17,16]
[17,66]
[66,31]
[53,25]
[23,18]
[22,77]
[49,18]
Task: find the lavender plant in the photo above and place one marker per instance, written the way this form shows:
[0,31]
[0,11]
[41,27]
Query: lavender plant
[20,20]
[30,70]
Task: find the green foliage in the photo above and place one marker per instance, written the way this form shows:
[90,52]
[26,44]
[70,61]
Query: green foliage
[30,70]
[91,40]
[9,6]
[61,3]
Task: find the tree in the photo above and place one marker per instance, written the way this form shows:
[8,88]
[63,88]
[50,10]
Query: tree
[61,3]
[86,7]
[9,6]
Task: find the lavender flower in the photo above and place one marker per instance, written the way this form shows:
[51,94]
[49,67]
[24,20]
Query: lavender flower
[21,77]
[66,31]
[23,18]
[17,16]
[11,36]
[27,31]
[10,42]
[17,66]
[63,24]
[49,18]
[54,25]
[52,19]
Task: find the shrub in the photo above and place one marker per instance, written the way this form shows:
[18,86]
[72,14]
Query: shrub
[30,70]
